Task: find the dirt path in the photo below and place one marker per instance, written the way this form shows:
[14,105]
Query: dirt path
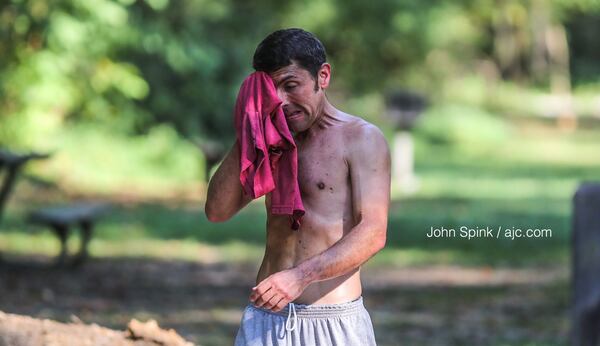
[203,303]
[17,330]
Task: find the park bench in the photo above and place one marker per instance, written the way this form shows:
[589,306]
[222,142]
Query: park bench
[61,219]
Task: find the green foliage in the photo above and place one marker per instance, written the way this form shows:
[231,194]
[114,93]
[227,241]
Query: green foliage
[98,160]
[58,65]
[126,66]
[141,63]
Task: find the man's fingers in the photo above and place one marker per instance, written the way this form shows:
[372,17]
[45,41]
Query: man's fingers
[272,304]
[280,305]
[276,298]
[271,294]
[265,298]
[259,291]
[255,295]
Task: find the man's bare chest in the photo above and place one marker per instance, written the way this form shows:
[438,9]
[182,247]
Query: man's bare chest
[322,171]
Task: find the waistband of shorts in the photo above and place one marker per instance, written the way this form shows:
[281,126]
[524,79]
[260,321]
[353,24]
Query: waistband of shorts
[321,310]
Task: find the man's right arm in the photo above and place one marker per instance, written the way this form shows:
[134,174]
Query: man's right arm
[225,195]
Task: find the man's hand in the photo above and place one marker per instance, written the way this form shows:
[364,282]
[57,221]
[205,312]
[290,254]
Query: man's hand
[279,289]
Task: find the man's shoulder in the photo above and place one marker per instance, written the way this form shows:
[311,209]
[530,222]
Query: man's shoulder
[358,130]
[365,145]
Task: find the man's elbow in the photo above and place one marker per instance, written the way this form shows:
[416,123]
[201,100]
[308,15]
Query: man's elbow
[379,242]
[214,215]
[377,230]
[379,239]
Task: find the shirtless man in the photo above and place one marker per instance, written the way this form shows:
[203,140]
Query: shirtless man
[344,179]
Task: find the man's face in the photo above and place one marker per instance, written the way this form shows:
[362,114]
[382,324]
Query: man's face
[302,96]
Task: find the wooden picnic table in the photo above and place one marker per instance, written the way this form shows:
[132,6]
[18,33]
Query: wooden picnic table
[61,219]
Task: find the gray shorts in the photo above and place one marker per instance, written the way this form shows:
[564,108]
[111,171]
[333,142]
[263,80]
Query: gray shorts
[343,324]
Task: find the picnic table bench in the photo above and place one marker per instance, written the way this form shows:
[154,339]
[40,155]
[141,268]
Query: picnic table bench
[61,219]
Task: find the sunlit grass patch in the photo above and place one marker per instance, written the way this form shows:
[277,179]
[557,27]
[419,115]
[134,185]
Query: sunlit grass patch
[45,243]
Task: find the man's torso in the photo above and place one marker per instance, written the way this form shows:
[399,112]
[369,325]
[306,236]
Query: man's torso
[325,185]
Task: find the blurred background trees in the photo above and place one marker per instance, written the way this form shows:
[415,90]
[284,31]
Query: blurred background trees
[161,76]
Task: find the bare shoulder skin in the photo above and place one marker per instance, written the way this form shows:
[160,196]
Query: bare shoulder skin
[344,178]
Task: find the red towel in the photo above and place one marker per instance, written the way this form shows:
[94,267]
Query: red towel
[268,155]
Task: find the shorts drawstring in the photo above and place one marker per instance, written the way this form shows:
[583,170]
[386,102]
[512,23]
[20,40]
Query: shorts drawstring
[288,324]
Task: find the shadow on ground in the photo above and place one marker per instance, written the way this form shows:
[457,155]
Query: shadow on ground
[410,306]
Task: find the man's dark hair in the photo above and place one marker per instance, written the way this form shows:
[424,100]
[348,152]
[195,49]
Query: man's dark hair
[283,47]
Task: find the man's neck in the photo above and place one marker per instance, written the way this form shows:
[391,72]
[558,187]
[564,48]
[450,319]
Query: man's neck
[327,117]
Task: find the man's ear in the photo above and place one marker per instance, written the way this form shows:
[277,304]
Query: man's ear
[324,75]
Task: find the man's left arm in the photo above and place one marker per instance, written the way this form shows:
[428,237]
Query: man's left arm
[369,164]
